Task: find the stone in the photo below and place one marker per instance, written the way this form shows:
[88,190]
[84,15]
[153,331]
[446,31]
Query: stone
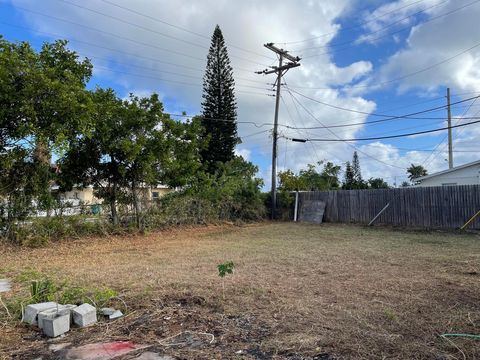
[60,324]
[32,310]
[52,313]
[84,315]
[153,356]
[59,347]
[115,315]
[107,311]
[5,285]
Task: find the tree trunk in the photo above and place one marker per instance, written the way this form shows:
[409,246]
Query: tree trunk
[135,205]
[113,205]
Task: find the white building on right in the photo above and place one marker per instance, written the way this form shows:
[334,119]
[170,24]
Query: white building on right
[467,174]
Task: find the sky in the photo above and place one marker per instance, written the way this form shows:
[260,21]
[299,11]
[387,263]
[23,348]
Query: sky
[361,62]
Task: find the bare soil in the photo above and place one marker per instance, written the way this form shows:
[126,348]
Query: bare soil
[298,292]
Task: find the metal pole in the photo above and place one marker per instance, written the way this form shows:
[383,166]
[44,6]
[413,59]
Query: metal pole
[450,144]
[295,213]
[275,136]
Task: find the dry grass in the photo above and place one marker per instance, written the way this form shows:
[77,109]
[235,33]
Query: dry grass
[298,291]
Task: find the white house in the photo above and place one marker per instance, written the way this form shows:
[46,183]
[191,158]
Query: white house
[467,174]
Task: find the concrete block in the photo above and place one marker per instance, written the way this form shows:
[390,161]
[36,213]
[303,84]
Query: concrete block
[84,315]
[52,313]
[32,310]
[115,315]
[53,327]
[107,311]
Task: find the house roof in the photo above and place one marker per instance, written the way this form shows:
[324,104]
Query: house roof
[473,163]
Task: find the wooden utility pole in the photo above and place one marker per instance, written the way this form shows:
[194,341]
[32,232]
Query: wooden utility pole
[450,144]
[280,70]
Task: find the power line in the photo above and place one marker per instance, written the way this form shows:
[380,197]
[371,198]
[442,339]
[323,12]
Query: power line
[398,78]
[389,117]
[376,31]
[181,28]
[398,136]
[351,27]
[148,29]
[178,82]
[445,137]
[338,138]
[397,31]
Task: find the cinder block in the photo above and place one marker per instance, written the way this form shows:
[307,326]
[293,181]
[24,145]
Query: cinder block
[53,327]
[32,310]
[84,315]
[52,313]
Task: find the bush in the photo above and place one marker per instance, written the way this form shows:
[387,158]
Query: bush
[40,231]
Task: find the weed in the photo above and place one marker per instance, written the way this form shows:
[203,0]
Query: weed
[224,269]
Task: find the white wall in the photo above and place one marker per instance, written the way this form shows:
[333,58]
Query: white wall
[466,176]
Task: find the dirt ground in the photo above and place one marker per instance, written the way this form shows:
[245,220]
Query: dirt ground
[298,292]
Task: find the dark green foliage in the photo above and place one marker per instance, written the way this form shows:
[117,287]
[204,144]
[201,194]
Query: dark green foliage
[353,175]
[416,171]
[310,179]
[225,268]
[43,99]
[219,105]
[230,194]
[133,144]
[377,183]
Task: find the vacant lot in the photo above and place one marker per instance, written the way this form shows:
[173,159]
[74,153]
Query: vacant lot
[298,291]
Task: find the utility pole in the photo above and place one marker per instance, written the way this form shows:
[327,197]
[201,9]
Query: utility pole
[450,143]
[280,70]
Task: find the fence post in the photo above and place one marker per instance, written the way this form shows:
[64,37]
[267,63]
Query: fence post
[295,213]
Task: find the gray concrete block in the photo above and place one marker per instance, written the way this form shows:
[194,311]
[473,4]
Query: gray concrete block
[84,315]
[115,315]
[107,311]
[52,313]
[32,310]
[53,327]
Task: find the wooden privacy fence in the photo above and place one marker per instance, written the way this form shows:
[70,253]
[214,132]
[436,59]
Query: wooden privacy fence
[447,207]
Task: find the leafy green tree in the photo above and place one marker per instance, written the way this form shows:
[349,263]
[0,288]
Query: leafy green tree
[288,181]
[310,179]
[330,173]
[133,145]
[219,105]
[378,183]
[43,100]
[416,171]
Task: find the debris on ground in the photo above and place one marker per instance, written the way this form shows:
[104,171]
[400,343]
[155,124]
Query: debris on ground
[103,351]
[55,319]
[111,313]
[4,285]
[84,315]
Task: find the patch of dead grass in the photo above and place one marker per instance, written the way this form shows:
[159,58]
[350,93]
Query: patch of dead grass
[298,290]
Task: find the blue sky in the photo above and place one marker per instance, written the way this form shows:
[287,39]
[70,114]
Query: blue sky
[383,57]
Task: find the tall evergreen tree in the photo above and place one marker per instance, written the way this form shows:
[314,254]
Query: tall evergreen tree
[357,173]
[349,180]
[219,105]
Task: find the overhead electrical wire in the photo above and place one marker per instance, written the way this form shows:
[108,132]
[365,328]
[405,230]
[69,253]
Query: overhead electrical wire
[350,27]
[149,29]
[378,84]
[395,32]
[333,45]
[339,139]
[388,117]
[398,136]
[181,28]
[177,82]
